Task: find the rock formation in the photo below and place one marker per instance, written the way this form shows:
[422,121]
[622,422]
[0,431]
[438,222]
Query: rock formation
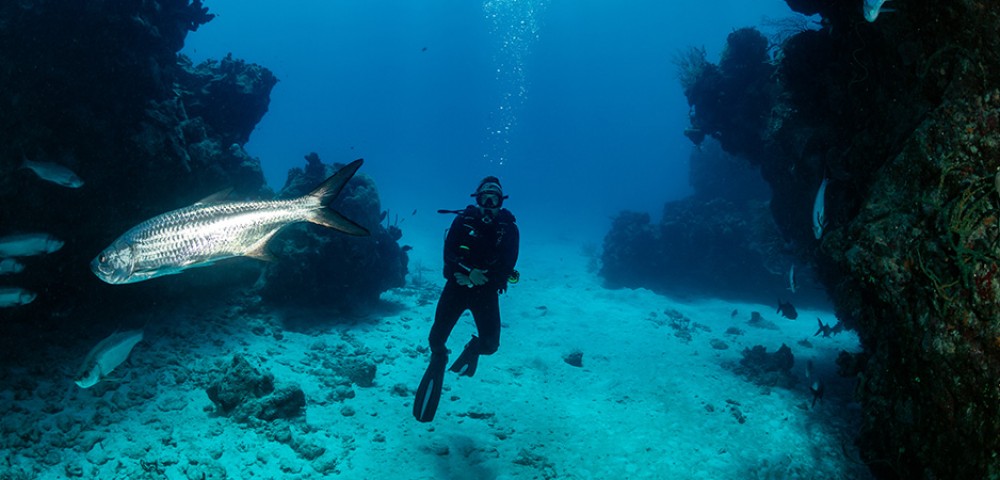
[322,267]
[903,117]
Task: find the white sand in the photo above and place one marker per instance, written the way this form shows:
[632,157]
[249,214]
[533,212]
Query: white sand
[646,404]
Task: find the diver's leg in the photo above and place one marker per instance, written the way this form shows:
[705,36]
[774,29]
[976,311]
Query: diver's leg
[429,392]
[449,308]
[486,312]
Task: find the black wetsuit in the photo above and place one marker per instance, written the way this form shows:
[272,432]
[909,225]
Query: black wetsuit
[490,246]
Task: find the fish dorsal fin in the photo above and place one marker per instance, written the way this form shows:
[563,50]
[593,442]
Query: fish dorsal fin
[217,197]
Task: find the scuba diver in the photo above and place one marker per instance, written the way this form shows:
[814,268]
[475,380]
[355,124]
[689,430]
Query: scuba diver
[480,252]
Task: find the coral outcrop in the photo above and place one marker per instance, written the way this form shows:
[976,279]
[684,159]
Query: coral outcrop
[722,239]
[99,87]
[245,394]
[322,267]
[903,116]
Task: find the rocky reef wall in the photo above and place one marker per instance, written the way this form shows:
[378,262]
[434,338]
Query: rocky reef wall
[902,116]
[99,88]
[721,240]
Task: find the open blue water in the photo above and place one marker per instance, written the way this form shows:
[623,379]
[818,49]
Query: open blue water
[574,104]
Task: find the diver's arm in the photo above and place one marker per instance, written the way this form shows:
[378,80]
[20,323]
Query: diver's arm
[509,250]
[512,247]
[452,249]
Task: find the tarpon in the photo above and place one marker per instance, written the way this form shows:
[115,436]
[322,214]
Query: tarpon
[15,296]
[53,172]
[792,284]
[819,210]
[28,244]
[871,9]
[105,356]
[9,266]
[209,231]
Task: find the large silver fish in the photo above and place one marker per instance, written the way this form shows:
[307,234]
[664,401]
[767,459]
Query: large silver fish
[53,172]
[819,210]
[106,356]
[15,296]
[28,244]
[9,266]
[206,232]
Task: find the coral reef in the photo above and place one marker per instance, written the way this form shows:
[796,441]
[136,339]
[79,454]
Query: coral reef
[766,369]
[902,116]
[722,239]
[330,269]
[104,93]
[244,393]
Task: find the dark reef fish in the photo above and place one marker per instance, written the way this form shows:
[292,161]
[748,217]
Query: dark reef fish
[787,310]
[816,389]
[827,330]
[209,231]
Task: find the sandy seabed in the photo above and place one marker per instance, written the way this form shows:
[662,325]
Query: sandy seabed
[647,403]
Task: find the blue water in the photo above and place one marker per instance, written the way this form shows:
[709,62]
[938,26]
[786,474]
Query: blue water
[575,104]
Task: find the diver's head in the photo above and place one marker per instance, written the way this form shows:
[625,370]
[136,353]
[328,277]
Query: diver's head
[489,195]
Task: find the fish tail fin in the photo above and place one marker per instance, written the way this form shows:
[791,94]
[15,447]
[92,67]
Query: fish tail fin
[331,187]
[328,190]
[335,220]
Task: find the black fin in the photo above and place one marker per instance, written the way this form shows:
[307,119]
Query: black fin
[329,190]
[334,219]
[332,186]
[429,392]
[467,362]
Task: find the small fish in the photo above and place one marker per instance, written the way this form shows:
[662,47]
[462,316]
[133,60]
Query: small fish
[105,356]
[816,389]
[28,244]
[871,9]
[827,330]
[15,297]
[819,210]
[734,314]
[9,266]
[53,172]
[787,310]
[838,327]
[792,284]
[209,231]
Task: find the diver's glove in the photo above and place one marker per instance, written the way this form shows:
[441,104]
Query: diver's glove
[478,277]
[463,279]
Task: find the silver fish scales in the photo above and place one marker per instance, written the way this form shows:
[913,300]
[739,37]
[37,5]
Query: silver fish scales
[209,231]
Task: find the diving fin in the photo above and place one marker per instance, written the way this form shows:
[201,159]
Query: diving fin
[468,360]
[429,392]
